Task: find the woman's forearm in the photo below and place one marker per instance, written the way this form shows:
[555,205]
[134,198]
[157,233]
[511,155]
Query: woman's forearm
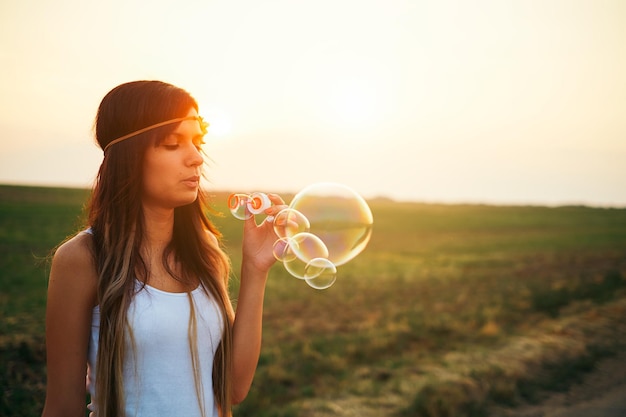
[247,330]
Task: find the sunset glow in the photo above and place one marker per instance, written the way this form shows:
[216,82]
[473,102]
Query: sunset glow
[446,101]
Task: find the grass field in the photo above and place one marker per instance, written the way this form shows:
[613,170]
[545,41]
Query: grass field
[452,310]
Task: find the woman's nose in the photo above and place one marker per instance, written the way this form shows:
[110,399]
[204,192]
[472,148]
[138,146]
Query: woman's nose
[195,156]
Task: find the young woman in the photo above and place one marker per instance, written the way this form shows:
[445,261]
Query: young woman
[138,304]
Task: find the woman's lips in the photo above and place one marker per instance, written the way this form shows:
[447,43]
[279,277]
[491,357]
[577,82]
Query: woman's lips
[192,181]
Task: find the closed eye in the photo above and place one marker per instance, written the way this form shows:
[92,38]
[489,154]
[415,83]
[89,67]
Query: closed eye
[175,140]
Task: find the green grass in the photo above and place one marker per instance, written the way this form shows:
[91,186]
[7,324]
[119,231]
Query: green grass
[32,222]
[437,286]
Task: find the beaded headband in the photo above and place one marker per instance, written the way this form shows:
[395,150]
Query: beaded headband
[203,126]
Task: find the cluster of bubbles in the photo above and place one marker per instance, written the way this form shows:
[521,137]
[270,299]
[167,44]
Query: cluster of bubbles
[325,226]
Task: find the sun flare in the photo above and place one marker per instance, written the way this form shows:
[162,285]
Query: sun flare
[220,124]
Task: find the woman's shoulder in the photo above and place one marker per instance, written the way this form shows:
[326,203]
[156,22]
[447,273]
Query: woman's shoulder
[73,271]
[76,255]
[79,247]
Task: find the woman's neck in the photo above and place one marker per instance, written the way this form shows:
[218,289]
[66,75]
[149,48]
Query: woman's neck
[159,227]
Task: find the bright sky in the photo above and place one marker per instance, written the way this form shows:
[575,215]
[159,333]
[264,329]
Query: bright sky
[439,101]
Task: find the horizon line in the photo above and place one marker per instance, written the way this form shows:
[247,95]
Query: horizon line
[377,197]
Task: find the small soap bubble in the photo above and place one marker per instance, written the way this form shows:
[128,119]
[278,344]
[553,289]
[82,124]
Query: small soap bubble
[289,222]
[320,273]
[306,247]
[283,251]
[237,204]
[338,216]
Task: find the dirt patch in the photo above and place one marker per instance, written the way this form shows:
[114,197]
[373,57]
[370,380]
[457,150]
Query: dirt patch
[579,355]
[600,393]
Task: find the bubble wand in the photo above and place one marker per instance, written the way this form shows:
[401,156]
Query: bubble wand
[325,225]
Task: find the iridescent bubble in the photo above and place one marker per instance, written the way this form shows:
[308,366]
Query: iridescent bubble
[283,249]
[306,247]
[289,222]
[339,217]
[237,204]
[326,225]
[320,273]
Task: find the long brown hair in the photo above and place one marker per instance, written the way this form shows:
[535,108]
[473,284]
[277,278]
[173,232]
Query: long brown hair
[116,220]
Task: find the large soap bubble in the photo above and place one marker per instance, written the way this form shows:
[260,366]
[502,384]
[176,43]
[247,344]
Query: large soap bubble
[338,216]
[326,225]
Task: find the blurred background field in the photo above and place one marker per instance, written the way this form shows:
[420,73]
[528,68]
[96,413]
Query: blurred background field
[452,310]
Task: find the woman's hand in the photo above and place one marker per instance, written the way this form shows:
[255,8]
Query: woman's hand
[258,258]
[258,240]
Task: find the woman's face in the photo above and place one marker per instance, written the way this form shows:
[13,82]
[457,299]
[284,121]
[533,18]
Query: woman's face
[172,170]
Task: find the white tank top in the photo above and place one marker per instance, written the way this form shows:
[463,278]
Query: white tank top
[158,377]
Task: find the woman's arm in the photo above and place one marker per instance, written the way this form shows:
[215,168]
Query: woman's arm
[71,299]
[257,260]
